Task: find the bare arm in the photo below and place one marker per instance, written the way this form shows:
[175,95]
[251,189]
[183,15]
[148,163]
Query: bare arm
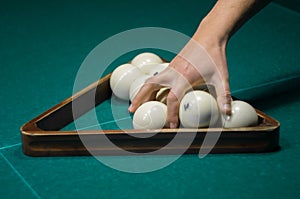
[226,17]
[203,59]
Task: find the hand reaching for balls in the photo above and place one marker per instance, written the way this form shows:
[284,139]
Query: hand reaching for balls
[192,66]
[203,59]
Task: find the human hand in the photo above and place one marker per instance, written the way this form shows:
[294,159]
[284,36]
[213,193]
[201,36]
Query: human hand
[203,59]
[196,64]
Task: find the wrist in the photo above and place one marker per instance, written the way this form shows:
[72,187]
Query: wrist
[210,34]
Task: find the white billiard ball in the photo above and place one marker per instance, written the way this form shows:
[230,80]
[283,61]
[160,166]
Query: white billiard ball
[162,95]
[144,59]
[198,109]
[150,115]
[136,86]
[122,78]
[155,69]
[242,115]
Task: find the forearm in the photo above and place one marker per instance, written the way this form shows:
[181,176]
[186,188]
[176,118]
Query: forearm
[226,17]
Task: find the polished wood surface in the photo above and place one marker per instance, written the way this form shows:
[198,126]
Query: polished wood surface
[41,136]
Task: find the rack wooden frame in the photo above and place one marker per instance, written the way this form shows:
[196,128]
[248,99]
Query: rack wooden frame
[42,136]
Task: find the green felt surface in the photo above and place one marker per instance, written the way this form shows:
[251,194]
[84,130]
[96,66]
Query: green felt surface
[291,4]
[43,44]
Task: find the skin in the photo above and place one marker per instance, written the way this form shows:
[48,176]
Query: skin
[203,59]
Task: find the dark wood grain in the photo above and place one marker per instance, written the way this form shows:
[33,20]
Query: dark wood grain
[41,136]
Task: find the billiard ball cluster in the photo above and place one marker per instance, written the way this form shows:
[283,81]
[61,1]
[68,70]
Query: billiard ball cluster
[127,79]
[197,109]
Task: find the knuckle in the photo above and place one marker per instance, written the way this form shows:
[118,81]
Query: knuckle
[151,83]
[224,96]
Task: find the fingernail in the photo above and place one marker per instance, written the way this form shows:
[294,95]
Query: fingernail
[130,108]
[226,106]
[173,125]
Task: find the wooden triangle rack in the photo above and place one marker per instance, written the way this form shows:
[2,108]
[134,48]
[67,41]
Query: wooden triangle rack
[42,136]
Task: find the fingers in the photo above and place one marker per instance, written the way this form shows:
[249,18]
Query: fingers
[151,86]
[173,102]
[223,97]
[173,110]
[146,93]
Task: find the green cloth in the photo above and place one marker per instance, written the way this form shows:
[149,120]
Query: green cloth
[43,44]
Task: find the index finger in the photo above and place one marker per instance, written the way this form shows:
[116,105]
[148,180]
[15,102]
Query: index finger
[146,93]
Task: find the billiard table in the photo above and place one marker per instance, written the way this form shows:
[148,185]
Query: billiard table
[43,45]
